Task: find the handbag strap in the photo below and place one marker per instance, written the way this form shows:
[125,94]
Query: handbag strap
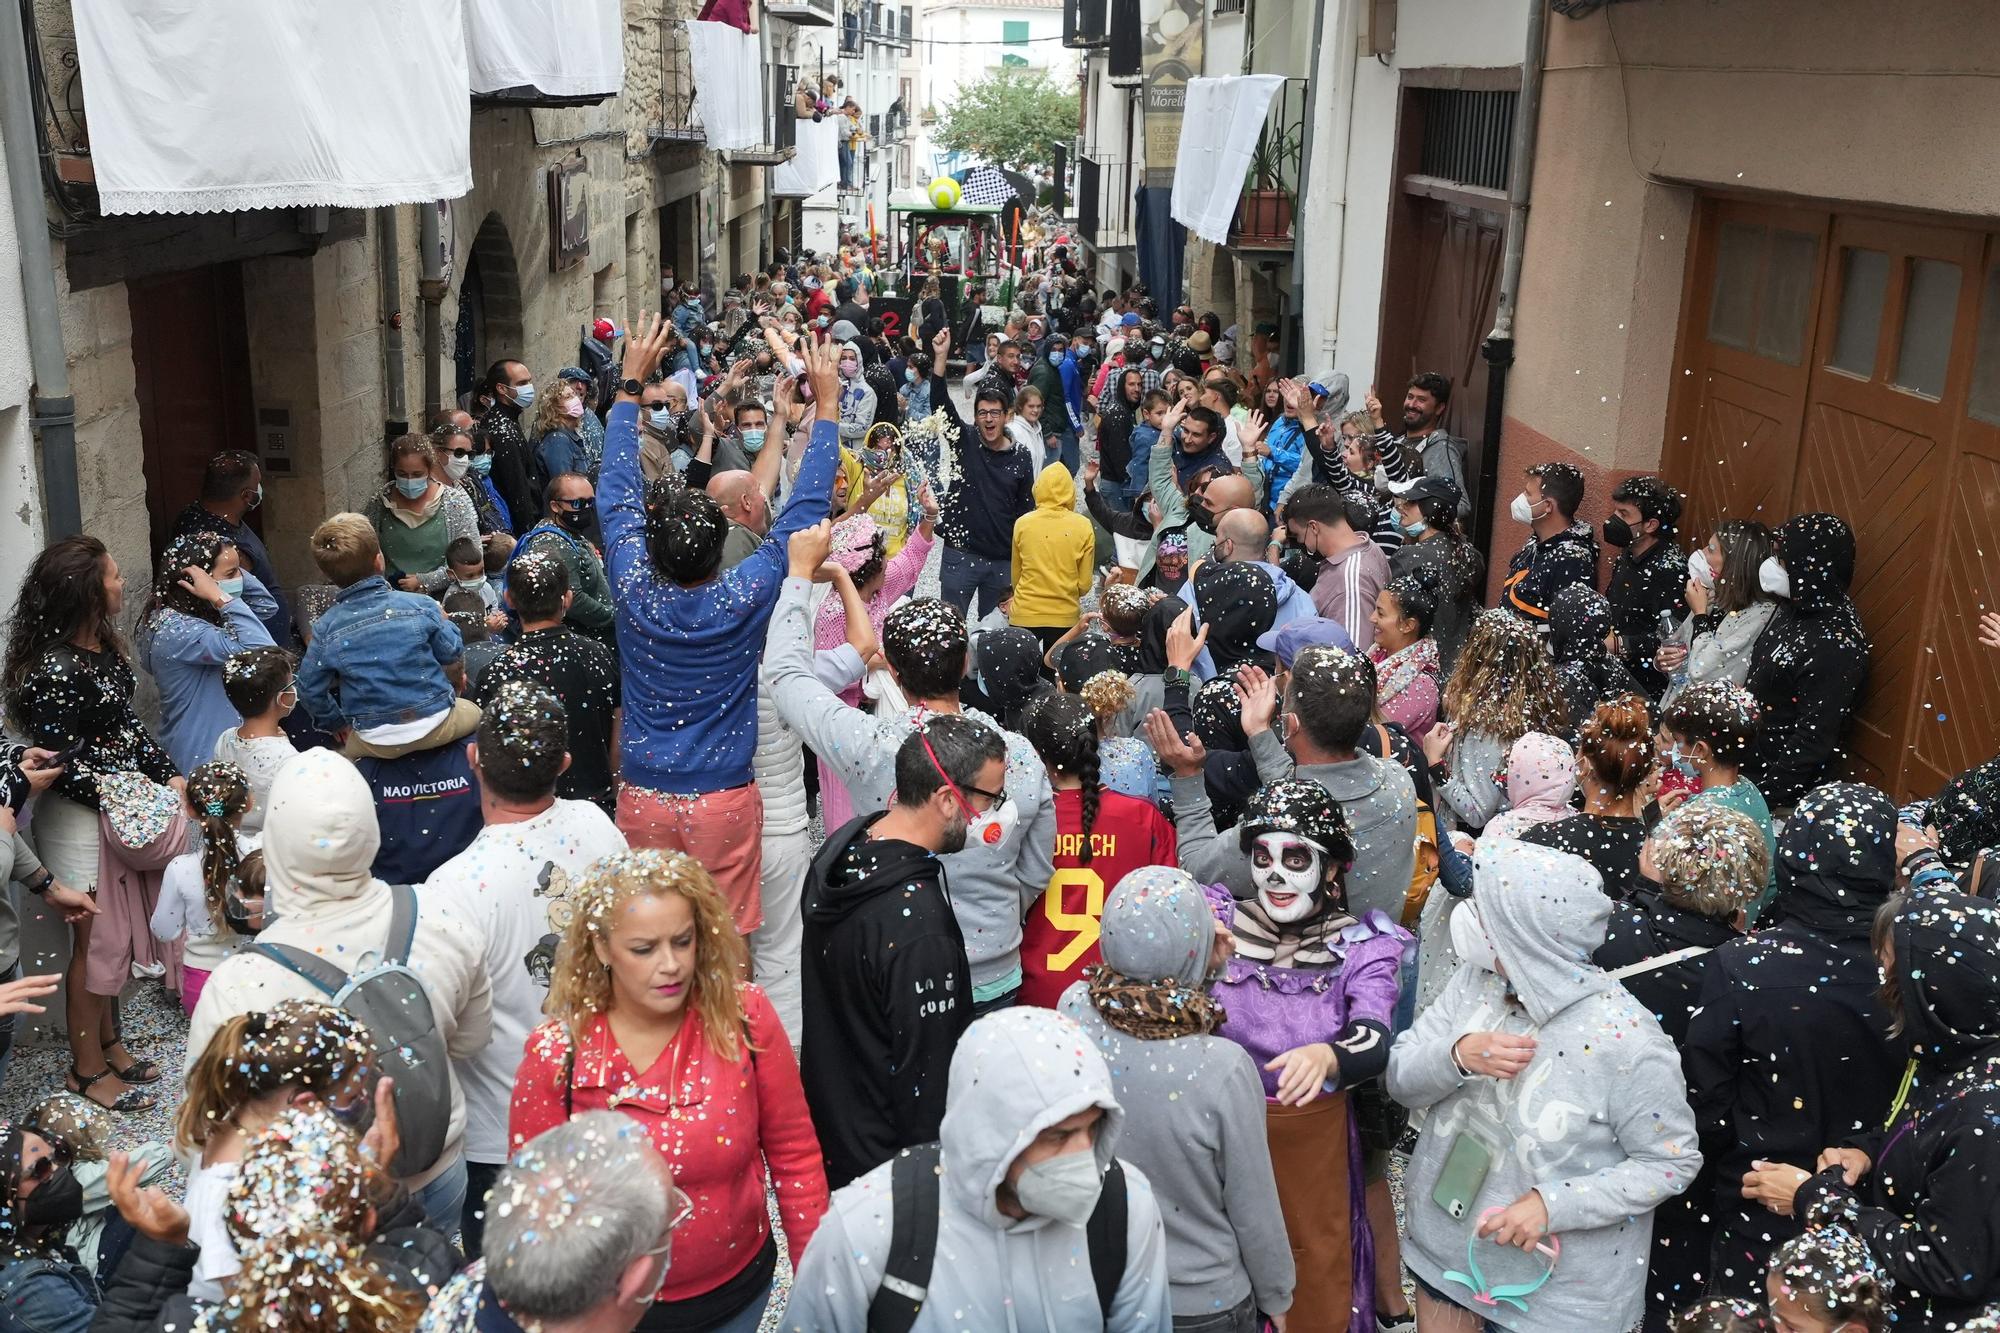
[1646,965]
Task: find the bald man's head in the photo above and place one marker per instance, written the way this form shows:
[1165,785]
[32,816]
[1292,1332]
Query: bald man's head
[1229,492]
[741,500]
[1244,530]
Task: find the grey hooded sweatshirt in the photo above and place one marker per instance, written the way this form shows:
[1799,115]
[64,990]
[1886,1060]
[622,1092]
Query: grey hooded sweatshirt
[1380,802]
[1194,1121]
[991,886]
[1015,1073]
[1598,1122]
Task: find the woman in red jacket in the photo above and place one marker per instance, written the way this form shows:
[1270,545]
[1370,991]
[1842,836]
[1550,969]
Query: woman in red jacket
[649,1019]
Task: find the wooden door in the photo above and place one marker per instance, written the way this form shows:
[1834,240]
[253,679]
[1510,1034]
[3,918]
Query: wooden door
[1890,358]
[1455,287]
[1747,322]
[191,355]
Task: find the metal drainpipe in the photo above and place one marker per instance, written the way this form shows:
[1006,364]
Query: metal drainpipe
[1346,43]
[389,265]
[1498,349]
[430,290]
[51,410]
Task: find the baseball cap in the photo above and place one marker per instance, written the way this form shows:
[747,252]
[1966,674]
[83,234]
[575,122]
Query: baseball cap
[843,330]
[1295,636]
[1427,488]
[604,331]
[1225,352]
[572,373]
[1131,319]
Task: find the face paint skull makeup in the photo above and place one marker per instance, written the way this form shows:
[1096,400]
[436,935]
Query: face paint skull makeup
[1288,872]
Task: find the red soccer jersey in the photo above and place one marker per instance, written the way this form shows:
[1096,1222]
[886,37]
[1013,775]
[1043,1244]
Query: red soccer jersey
[1059,938]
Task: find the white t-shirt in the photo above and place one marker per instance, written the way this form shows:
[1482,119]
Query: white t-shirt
[183,906]
[207,1209]
[512,881]
[260,757]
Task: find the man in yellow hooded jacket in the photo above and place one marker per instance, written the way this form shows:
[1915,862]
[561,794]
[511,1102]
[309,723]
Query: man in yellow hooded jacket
[1055,551]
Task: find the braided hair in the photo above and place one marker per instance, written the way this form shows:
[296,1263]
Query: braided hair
[219,791]
[1063,730]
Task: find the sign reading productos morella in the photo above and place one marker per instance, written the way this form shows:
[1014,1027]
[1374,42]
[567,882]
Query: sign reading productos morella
[1170,51]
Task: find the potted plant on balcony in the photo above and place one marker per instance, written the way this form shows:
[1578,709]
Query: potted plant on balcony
[1265,211]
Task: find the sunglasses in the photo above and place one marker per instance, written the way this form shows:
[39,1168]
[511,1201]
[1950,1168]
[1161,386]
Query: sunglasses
[44,1169]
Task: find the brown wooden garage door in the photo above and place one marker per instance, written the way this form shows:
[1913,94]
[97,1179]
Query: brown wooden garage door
[1852,364]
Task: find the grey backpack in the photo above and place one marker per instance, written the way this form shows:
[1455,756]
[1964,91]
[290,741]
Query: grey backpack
[396,1009]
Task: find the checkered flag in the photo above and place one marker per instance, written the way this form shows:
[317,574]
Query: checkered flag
[985,185]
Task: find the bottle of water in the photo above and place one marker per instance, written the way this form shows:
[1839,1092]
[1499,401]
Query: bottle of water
[1680,674]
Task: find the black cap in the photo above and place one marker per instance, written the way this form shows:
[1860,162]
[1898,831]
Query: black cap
[1427,488]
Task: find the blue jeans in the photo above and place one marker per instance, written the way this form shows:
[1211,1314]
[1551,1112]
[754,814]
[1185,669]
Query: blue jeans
[39,1295]
[1241,1318]
[8,1024]
[1069,452]
[964,576]
[444,1198]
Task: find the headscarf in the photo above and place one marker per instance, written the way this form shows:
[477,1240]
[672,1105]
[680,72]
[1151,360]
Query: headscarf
[1009,672]
[1541,775]
[1966,814]
[1157,934]
[1837,860]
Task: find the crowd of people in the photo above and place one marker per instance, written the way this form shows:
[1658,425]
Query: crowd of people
[613,878]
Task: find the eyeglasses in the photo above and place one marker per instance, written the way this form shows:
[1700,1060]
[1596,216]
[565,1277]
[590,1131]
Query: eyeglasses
[680,1209]
[994,799]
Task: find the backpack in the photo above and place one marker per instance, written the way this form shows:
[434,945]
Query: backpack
[396,1009]
[913,1192]
[1425,873]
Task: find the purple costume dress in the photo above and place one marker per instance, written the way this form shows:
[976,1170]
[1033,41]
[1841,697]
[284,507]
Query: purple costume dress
[1273,1009]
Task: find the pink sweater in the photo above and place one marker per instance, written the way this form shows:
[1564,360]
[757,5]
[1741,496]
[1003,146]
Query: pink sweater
[899,576]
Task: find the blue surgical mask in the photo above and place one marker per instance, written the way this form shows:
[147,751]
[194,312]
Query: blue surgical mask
[1414,530]
[524,396]
[659,418]
[1679,762]
[910,374]
[234,587]
[413,487]
[753,440]
[482,464]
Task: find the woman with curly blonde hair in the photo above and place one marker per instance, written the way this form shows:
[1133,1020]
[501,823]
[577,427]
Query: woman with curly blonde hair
[1503,687]
[556,437]
[649,1017]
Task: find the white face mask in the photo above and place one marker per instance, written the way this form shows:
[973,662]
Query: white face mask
[1288,872]
[1698,570]
[1470,941]
[1774,578]
[457,466]
[1064,1188]
[995,827]
[1522,510]
[471,585]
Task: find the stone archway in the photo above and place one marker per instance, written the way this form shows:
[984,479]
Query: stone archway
[489,296]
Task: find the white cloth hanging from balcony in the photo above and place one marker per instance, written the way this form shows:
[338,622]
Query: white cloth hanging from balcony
[1219,128]
[816,163]
[728,86]
[560,49]
[218,106]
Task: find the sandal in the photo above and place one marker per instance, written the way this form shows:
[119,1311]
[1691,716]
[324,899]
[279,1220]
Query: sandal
[132,1100]
[141,1070]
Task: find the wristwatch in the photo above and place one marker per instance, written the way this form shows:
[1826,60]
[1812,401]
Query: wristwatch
[631,388]
[1180,676]
[40,886]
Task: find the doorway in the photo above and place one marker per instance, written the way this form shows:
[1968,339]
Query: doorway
[191,357]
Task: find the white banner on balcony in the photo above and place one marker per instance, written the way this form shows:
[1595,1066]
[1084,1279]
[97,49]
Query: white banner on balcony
[728,85]
[560,48]
[815,165]
[217,106]
[1218,134]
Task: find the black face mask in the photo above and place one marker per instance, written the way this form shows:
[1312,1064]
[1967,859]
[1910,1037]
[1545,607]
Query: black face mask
[1199,514]
[57,1202]
[1617,531]
[574,519]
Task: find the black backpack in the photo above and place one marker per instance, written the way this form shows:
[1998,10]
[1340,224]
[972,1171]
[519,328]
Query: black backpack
[392,1004]
[913,1190]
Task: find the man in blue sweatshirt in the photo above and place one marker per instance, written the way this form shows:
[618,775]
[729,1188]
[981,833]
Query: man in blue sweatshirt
[690,634]
[995,487]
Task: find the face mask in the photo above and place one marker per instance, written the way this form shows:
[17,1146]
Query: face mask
[457,466]
[1618,532]
[753,440]
[1469,941]
[413,487]
[1287,871]
[256,497]
[1414,530]
[573,408]
[58,1201]
[1677,760]
[234,587]
[359,1114]
[910,374]
[1522,511]
[659,418]
[849,369]
[1698,570]
[993,828]
[575,518]
[524,395]
[471,585]
[1064,1188]
[1774,578]
[821,322]
[482,464]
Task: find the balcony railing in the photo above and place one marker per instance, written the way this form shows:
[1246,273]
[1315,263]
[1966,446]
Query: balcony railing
[805,13]
[677,120]
[781,120]
[1264,215]
[1104,200]
[850,31]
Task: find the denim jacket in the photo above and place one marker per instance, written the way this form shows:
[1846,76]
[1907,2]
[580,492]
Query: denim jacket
[377,657]
[39,1294]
